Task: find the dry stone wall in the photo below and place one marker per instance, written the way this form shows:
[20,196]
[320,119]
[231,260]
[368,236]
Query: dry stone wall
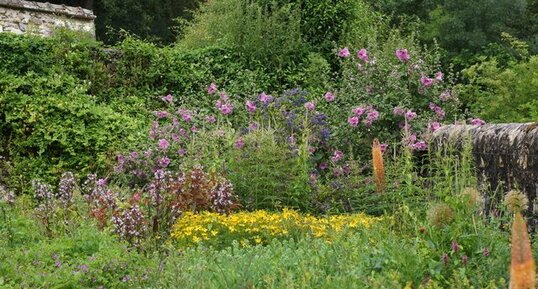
[19,16]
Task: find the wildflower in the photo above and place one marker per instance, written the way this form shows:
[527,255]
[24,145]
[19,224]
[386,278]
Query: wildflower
[445,95]
[161,114]
[163,144]
[182,152]
[185,115]
[426,81]
[440,215]
[251,107]
[403,55]
[471,197]
[383,147]
[439,76]
[134,155]
[353,121]
[265,98]
[211,119]
[422,230]
[337,155]
[379,170]
[66,188]
[358,111]
[372,116]
[310,106]
[410,115]
[516,201]
[164,162]
[464,259]
[433,126]
[398,110]
[239,143]
[419,146]
[253,126]
[485,252]
[455,247]
[363,55]
[84,268]
[437,109]
[194,129]
[323,166]
[444,258]
[344,52]
[168,98]
[226,108]
[101,183]
[175,137]
[329,96]
[477,121]
[212,88]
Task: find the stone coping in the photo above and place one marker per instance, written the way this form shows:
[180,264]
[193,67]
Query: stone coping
[75,12]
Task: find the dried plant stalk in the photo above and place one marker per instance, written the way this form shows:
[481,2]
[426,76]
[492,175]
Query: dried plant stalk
[379,169]
[522,268]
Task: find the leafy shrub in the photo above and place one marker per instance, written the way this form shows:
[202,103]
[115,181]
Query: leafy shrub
[53,125]
[492,89]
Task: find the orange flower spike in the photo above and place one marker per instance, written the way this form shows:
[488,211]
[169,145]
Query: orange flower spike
[522,268]
[379,169]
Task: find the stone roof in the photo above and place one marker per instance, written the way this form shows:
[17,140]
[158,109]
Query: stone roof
[76,12]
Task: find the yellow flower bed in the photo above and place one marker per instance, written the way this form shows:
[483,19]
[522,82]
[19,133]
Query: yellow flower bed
[260,227]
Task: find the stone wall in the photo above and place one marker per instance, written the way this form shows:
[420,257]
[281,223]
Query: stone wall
[19,16]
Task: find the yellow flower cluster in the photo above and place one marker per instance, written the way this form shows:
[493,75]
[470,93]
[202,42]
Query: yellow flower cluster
[260,227]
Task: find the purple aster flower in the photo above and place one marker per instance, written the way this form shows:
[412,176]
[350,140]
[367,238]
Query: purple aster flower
[239,143]
[168,98]
[265,98]
[253,126]
[337,155]
[426,81]
[358,111]
[182,152]
[251,107]
[353,121]
[477,121]
[211,119]
[439,76]
[419,146]
[344,52]
[194,129]
[410,115]
[310,106]
[403,55]
[433,126]
[212,88]
[363,55]
[398,110]
[175,137]
[323,166]
[226,108]
[161,114]
[134,155]
[101,183]
[185,115]
[163,144]
[329,96]
[164,162]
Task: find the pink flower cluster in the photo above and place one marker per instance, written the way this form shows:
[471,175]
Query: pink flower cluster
[372,115]
[223,104]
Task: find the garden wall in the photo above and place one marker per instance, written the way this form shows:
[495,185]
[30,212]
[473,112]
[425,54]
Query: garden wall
[506,155]
[18,16]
